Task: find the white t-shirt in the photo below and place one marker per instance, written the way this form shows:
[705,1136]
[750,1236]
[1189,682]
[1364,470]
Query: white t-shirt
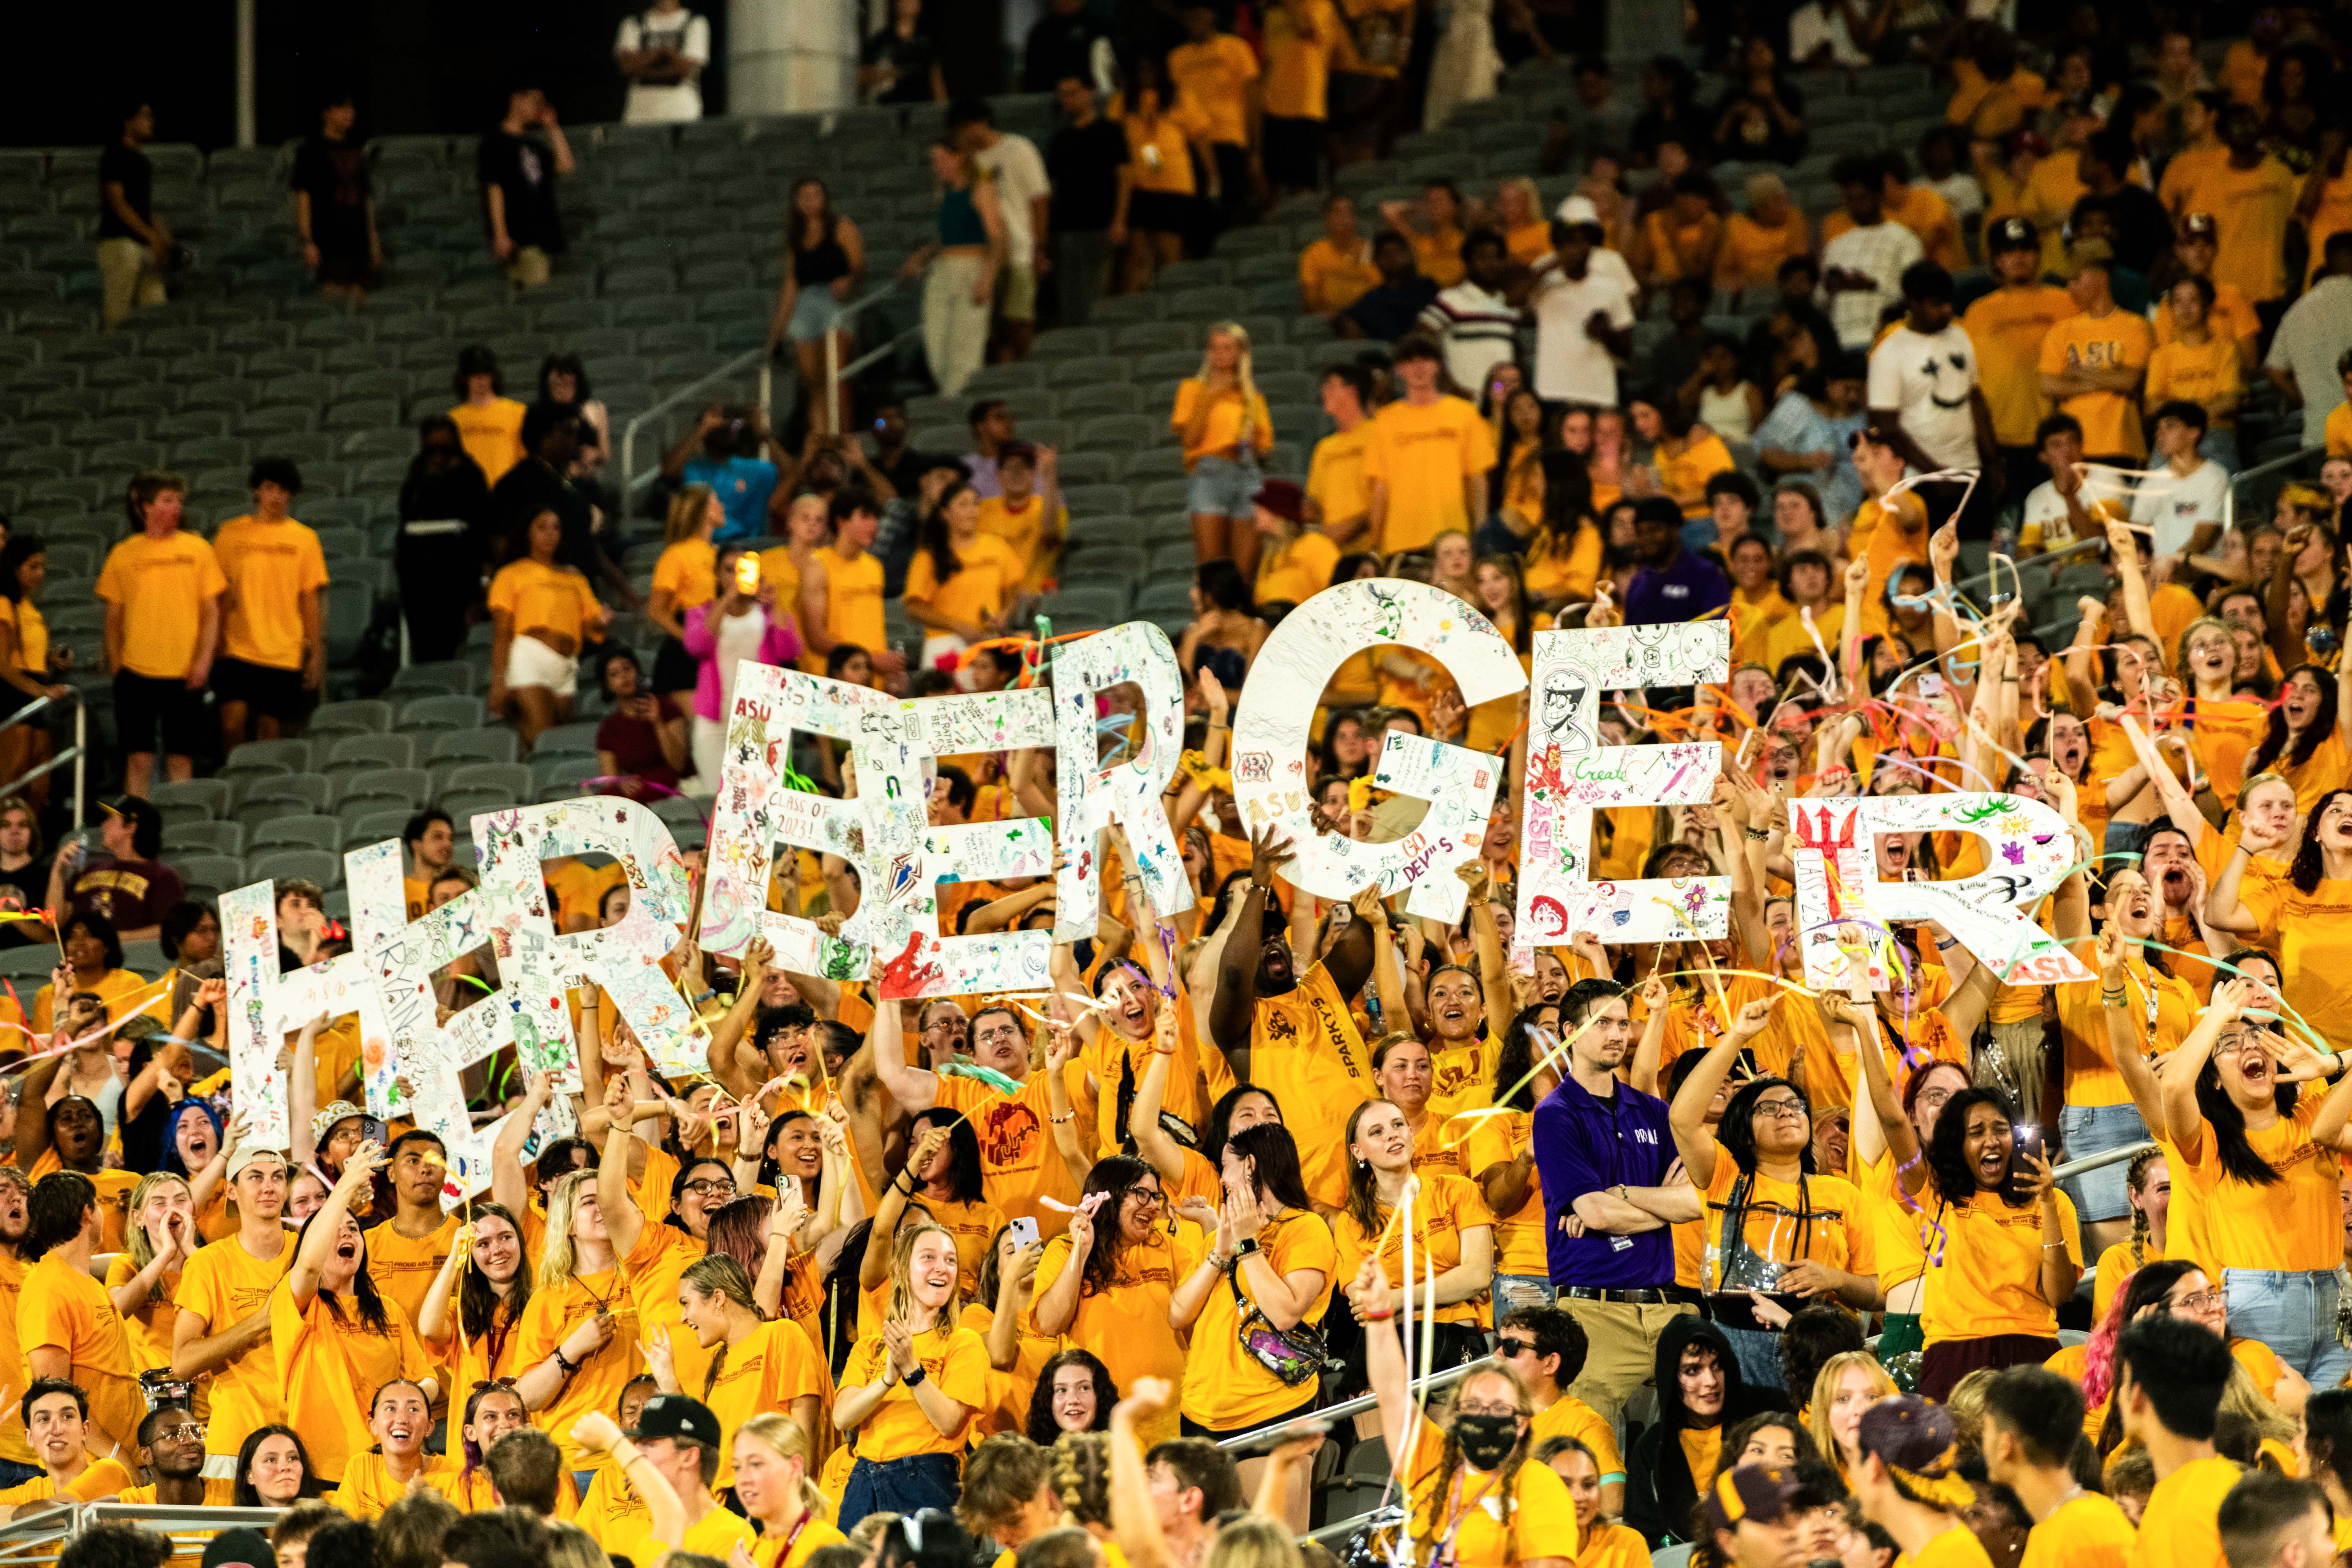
[1927,380]
[1879,253]
[2046,509]
[1020,180]
[1812,25]
[1480,330]
[2173,505]
[682,30]
[1571,367]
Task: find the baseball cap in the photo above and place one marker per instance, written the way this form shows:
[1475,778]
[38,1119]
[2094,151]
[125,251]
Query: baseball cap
[245,1157]
[239,1548]
[2085,254]
[1578,209]
[2199,226]
[1760,1492]
[677,1415]
[1914,1438]
[2013,234]
[1284,499]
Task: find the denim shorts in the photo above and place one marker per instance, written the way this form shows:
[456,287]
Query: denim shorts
[814,313]
[1513,1291]
[2294,1314]
[1221,488]
[2093,1130]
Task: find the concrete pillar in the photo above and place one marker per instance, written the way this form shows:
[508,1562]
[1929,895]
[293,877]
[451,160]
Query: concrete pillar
[791,56]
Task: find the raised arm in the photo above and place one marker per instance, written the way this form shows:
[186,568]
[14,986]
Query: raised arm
[2184,1121]
[874,1266]
[2225,906]
[1901,1140]
[916,1088]
[1385,1370]
[325,1230]
[1134,1513]
[1686,1117]
[1234,1007]
[508,1185]
[2123,1041]
[625,1223]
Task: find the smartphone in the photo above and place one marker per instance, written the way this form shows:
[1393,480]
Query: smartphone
[788,1189]
[747,573]
[1024,1232]
[2027,1141]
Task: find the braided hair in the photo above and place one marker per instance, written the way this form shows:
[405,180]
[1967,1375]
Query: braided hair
[1428,1532]
[2136,1178]
[1081,1472]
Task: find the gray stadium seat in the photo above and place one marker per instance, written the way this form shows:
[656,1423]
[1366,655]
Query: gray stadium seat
[269,756]
[515,779]
[222,871]
[466,803]
[372,750]
[363,716]
[566,739]
[312,832]
[318,865]
[202,839]
[445,712]
[448,675]
[211,794]
[485,745]
[373,826]
[311,789]
[412,784]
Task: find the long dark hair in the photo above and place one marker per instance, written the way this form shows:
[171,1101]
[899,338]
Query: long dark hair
[479,1306]
[370,1304]
[1737,1133]
[771,1169]
[20,548]
[1217,1131]
[1114,1178]
[1327,761]
[1267,1145]
[685,1174]
[2308,863]
[2274,754]
[1523,614]
[1568,497]
[964,1152]
[827,219]
[569,363]
[2327,1434]
[1042,1428]
[932,536]
[1948,1160]
[1514,1057]
[2237,1158]
[248,1497]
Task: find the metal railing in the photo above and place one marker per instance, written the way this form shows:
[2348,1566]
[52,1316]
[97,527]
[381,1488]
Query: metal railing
[2105,1157]
[78,753]
[2261,470]
[834,371]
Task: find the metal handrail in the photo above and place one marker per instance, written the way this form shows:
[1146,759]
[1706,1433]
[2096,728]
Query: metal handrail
[78,753]
[2229,500]
[1264,1435]
[867,361]
[631,480]
[2105,1157]
[835,373]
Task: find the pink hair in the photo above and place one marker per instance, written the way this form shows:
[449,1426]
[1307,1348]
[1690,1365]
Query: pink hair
[2099,1351]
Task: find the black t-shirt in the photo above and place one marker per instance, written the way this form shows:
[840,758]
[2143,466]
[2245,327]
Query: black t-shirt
[124,165]
[524,167]
[2143,231]
[1083,162]
[334,175]
[1059,46]
[913,57]
[1388,311]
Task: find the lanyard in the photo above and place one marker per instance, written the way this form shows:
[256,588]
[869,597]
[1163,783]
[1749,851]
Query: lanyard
[1442,1549]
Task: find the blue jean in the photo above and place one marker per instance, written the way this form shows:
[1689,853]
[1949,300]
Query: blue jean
[905,1486]
[12,1474]
[2093,1130]
[1513,1291]
[1759,1355]
[1221,488]
[2294,1314]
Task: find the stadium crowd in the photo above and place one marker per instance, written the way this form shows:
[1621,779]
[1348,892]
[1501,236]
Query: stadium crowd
[1722,1268]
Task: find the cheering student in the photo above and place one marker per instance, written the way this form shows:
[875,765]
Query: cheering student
[399,1418]
[175,1443]
[477,1298]
[1474,1493]
[490,1411]
[1908,1484]
[2033,1421]
[911,1389]
[56,1415]
[649,1480]
[771,1481]
[222,1331]
[1454,1236]
[336,1339]
[1105,1283]
[761,1365]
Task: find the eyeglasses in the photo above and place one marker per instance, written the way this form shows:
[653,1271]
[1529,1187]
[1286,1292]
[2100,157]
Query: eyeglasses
[193,1431]
[2203,1301]
[1786,1109]
[706,1188]
[1487,1409]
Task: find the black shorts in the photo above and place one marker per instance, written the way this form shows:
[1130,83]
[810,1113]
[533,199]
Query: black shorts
[146,704]
[1294,152]
[674,669]
[263,689]
[1304,1408]
[1160,212]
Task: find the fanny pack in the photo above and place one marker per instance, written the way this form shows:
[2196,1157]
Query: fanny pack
[1294,1355]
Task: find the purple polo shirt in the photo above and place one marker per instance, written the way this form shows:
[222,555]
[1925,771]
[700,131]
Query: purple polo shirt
[1683,590]
[1586,1144]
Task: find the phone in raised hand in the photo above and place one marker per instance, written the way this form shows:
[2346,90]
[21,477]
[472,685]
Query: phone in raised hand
[1024,1232]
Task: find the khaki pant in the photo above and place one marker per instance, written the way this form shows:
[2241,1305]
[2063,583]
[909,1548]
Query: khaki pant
[127,274]
[1623,1348]
[529,267]
[955,326]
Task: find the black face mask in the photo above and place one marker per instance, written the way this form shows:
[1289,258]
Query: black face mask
[1486,1440]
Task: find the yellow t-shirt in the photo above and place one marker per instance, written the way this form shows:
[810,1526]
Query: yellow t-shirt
[688,572]
[160,587]
[1614,1546]
[713,1535]
[1571,1418]
[1790,637]
[1018,1163]
[62,1307]
[1448,1207]
[1437,254]
[1160,153]
[1222,429]
[1702,1451]
[404,1268]
[1987,1278]
[369,1486]
[1827,1212]
[1298,39]
[1337,480]
[269,566]
[2250,208]
[620,1520]
[2229,317]
[1296,572]
[2007,327]
[1753,254]
[31,649]
[1519,1235]
[774,1366]
[2115,1266]
[1423,455]
[1126,1325]
[2180,1527]
[1329,279]
[103,1478]
[1215,76]
[330,1364]
[956,1361]
[2091,1075]
[1683,476]
[2312,934]
[2116,341]
[492,435]
[2282,1226]
[554,1312]
[1226,1389]
[2195,372]
[2339,431]
[1022,526]
[989,576]
[852,598]
[122,991]
[1679,251]
[1956,1548]
[222,1285]
[538,598]
[149,1328]
[1495,1532]
[784,1551]
[1305,1053]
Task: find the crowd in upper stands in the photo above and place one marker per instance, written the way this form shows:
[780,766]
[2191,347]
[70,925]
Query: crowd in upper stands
[1970,1267]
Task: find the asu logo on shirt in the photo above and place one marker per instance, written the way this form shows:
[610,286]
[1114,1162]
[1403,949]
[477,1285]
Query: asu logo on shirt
[2103,354]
